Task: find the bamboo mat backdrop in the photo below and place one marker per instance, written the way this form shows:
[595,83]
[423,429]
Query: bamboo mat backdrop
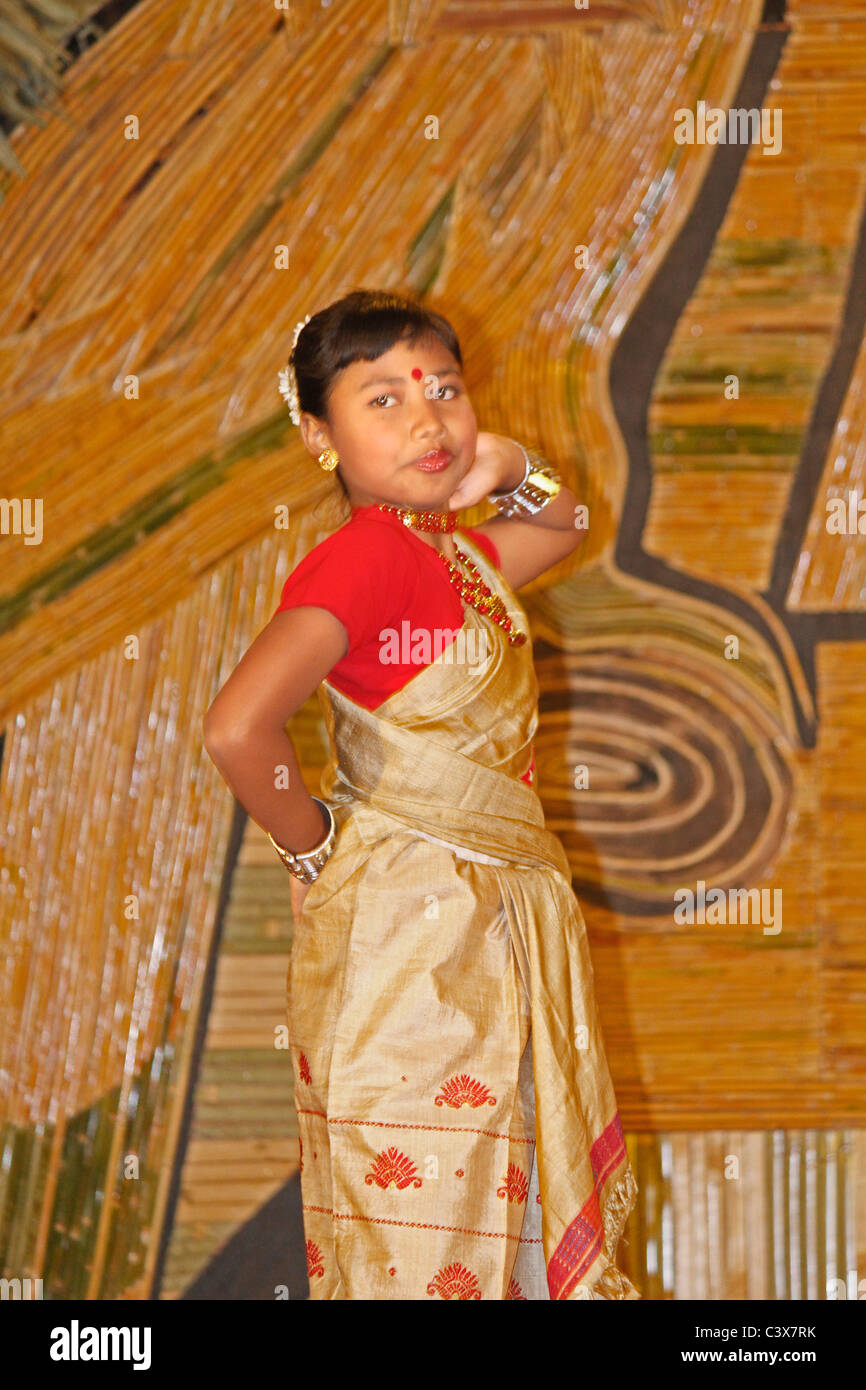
[148,1116]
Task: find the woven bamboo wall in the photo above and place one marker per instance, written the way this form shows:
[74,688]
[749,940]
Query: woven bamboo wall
[148,1115]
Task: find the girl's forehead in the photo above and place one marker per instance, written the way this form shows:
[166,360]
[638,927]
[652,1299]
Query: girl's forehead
[421,360]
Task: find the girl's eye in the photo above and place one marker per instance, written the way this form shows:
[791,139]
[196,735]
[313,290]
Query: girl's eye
[447,386]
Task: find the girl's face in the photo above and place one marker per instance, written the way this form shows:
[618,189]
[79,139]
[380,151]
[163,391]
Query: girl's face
[386,414]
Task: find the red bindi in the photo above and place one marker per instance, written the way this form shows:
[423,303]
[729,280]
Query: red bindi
[417,373]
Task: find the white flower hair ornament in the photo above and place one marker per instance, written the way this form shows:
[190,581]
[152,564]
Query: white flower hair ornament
[288,380]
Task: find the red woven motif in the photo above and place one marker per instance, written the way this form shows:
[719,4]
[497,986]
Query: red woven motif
[464,1090]
[514,1292]
[454,1281]
[515,1185]
[314,1260]
[391,1168]
[304,1069]
[528,775]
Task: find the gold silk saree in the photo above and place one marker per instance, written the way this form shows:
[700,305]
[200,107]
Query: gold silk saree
[459,1135]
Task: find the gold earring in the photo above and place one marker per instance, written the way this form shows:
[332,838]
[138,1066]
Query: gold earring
[328,459]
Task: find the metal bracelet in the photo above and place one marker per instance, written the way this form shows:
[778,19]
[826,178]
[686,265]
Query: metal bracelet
[503,493]
[308,864]
[538,486]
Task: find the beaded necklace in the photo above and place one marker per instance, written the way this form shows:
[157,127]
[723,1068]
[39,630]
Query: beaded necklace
[472,590]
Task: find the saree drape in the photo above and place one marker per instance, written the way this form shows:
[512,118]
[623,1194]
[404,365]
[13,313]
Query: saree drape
[458,1125]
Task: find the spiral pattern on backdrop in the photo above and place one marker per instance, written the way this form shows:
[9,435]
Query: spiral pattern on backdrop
[656,773]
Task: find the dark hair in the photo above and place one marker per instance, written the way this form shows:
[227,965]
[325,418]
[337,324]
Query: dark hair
[358,328]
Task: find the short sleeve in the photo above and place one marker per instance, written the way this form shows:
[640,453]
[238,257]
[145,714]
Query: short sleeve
[490,548]
[351,573]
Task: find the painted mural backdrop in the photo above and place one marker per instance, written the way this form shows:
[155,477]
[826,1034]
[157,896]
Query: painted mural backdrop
[646,221]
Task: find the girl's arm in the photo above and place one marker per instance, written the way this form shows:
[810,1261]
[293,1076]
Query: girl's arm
[527,546]
[244,728]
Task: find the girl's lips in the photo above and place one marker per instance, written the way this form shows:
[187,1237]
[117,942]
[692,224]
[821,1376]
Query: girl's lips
[434,463]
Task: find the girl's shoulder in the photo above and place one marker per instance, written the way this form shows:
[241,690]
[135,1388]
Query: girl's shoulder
[367,529]
[372,539]
[364,562]
[369,526]
[357,541]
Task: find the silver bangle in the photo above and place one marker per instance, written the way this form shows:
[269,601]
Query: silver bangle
[309,864]
[509,492]
[538,486]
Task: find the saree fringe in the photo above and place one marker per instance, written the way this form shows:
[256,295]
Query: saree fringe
[617,1207]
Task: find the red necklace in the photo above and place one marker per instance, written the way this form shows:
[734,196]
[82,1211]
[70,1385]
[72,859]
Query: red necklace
[422,521]
[473,590]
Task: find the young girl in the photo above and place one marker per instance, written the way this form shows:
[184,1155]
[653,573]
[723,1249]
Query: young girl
[459,1135]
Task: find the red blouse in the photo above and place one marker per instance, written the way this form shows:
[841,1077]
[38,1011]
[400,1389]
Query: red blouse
[373,573]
